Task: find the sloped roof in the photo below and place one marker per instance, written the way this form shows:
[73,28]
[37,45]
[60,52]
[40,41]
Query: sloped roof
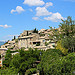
[11,41]
[7,44]
[41,30]
[27,36]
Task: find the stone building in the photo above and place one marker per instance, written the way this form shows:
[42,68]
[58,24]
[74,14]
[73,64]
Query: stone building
[2,54]
[28,39]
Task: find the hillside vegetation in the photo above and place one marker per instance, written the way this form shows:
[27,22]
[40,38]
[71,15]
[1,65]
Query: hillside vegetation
[58,61]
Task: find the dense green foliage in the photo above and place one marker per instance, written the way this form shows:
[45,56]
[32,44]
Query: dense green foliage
[59,61]
[54,63]
[60,47]
[31,71]
[22,61]
[8,58]
[65,34]
[68,34]
[8,71]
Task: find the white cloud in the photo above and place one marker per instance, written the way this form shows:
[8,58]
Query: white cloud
[35,18]
[34,2]
[5,26]
[42,11]
[19,9]
[48,4]
[13,10]
[55,17]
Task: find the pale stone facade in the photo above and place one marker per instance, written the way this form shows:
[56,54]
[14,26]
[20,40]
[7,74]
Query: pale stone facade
[2,54]
[10,44]
[28,39]
[34,40]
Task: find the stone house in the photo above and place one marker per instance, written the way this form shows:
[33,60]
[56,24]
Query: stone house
[28,39]
[34,40]
[2,54]
[10,44]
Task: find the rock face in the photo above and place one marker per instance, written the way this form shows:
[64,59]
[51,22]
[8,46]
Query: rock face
[1,43]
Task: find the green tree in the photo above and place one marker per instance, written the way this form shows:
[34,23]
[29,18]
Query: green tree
[25,60]
[53,63]
[8,58]
[68,34]
[35,31]
[15,62]
[60,47]
[68,27]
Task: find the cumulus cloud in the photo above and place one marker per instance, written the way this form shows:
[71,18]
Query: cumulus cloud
[42,11]
[35,18]
[34,2]
[5,26]
[19,9]
[48,4]
[55,17]
[13,10]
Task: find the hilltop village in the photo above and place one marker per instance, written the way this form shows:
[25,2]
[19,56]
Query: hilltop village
[33,39]
[40,52]
[43,39]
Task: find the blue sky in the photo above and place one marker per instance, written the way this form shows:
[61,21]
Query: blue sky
[19,15]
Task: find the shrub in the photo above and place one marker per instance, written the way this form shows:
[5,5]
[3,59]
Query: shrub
[54,64]
[31,71]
